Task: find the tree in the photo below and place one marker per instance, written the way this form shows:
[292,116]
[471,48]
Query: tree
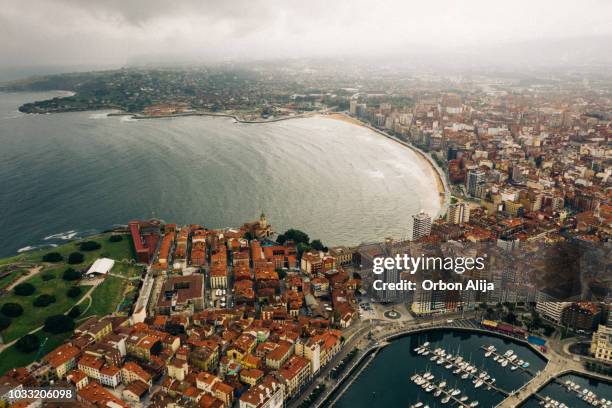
[4,322]
[71,275]
[44,300]
[12,309]
[28,343]
[293,235]
[48,276]
[24,289]
[57,324]
[510,318]
[75,258]
[301,248]
[74,292]
[115,238]
[89,246]
[53,257]
[74,312]
[281,273]
[318,245]
[548,330]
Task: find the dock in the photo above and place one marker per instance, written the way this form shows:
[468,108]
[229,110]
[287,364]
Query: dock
[448,394]
[487,383]
[495,353]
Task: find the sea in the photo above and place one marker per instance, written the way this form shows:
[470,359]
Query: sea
[69,175]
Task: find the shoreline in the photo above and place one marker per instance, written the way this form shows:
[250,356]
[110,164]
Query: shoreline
[440,175]
[212,114]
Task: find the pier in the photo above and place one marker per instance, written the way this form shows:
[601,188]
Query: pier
[495,353]
[488,383]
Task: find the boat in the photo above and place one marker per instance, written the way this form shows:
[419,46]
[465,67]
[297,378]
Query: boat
[504,363]
[425,344]
[437,393]
[488,353]
[513,367]
[448,366]
[442,384]
[495,358]
[474,404]
[417,405]
[478,384]
[465,376]
[445,399]
[456,392]
[430,388]
[464,398]
[526,365]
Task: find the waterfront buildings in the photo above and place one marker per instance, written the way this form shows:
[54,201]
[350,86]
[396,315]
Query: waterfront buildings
[421,225]
[552,310]
[583,316]
[601,344]
[458,213]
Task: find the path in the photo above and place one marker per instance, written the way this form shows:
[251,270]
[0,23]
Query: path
[87,295]
[557,366]
[32,272]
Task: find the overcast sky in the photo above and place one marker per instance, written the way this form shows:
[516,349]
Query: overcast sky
[118,32]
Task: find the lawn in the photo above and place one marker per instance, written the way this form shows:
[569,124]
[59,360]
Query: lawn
[106,297]
[11,357]
[114,250]
[10,278]
[127,270]
[32,316]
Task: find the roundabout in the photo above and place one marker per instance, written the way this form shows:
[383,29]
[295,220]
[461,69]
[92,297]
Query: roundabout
[392,314]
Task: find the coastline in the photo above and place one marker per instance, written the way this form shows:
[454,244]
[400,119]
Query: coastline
[441,180]
[440,176]
[220,115]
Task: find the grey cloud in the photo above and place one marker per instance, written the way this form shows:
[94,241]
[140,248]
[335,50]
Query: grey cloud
[116,32]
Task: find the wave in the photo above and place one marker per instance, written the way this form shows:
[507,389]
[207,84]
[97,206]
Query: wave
[26,248]
[62,235]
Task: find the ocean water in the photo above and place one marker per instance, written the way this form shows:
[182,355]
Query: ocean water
[67,175]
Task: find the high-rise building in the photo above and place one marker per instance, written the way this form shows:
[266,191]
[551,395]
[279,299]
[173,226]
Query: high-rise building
[421,225]
[475,178]
[353,107]
[459,213]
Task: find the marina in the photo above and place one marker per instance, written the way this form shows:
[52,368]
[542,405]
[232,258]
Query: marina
[573,391]
[387,380]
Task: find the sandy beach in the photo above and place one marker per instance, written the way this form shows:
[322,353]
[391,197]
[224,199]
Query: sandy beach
[439,174]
